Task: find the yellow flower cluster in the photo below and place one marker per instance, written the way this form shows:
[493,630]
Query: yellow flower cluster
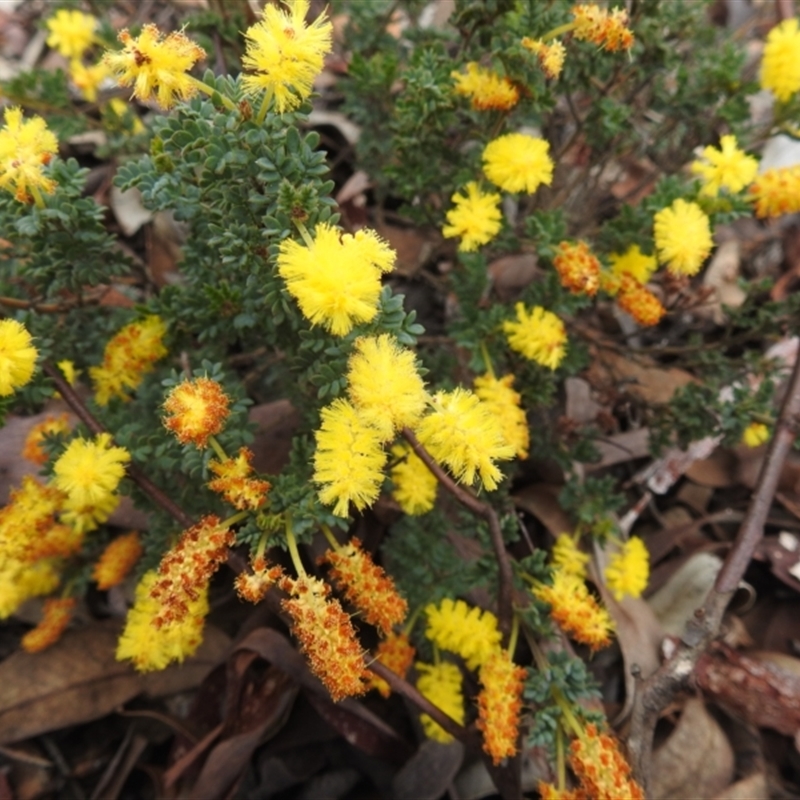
[568,557]
[683,237]
[727,168]
[196,410]
[500,705]
[253,586]
[414,484]
[538,334]
[26,148]
[20,580]
[129,355]
[633,262]
[602,770]
[441,684]
[551,56]
[469,632]
[606,29]
[780,64]
[505,405]
[117,560]
[285,54]
[17,356]
[776,192]
[71,32]
[236,483]
[517,162]
[487,90]
[578,268]
[755,434]
[639,302]
[629,569]
[476,218]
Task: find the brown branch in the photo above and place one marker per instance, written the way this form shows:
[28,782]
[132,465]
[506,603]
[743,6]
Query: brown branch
[485,511]
[677,673]
[73,400]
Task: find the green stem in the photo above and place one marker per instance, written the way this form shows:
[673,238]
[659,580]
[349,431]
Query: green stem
[560,30]
[291,543]
[328,534]
[486,359]
[217,448]
[304,233]
[265,103]
[262,545]
[512,640]
[207,90]
[561,762]
[412,620]
[238,517]
[37,196]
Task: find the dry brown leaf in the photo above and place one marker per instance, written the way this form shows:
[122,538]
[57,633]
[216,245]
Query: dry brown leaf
[78,679]
[541,500]
[753,787]
[511,274]
[696,760]
[717,471]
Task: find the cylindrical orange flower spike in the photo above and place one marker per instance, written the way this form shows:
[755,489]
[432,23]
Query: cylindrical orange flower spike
[253,586]
[601,768]
[196,410]
[326,636]
[397,654]
[57,614]
[367,586]
[117,560]
[186,569]
[578,268]
[499,705]
[235,483]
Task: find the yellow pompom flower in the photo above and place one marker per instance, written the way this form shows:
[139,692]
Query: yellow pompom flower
[517,162]
[441,684]
[156,66]
[285,54]
[568,558]
[117,560]
[683,237]
[500,705]
[633,262]
[487,90]
[780,63]
[639,302]
[776,192]
[88,79]
[504,403]
[551,56]
[755,434]
[629,569]
[71,32]
[17,356]
[196,409]
[727,168]
[152,647]
[129,355]
[606,29]
[337,280]
[397,654]
[56,615]
[20,580]
[88,472]
[578,268]
[469,632]
[414,484]
[575,610]
[476,218]
[235,481]
[462,433]
[349,461]
[384,384]
[539,335]
[26,148]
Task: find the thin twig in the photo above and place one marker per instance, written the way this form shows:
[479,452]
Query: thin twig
[73,400]
[677,673]
[505,609]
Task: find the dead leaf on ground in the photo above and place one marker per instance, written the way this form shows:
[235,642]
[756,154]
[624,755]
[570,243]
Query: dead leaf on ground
[511,274]
[78,679]
[722,275]
[541,500]
[696,760]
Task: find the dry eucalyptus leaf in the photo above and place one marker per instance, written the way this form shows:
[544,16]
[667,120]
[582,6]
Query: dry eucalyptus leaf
[696,760]
[78,680]
[541,500]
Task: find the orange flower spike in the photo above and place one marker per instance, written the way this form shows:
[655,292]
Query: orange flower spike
[639,302]
[549,792]
[607,29]
[117,560]
[326,636]
[578,268]
[54,541]
[253,586]
[601,768]
[57,614]
[235,483]
[367,586]
[499,705]
[186,568]
[196,409]
[396,653]
[32,449]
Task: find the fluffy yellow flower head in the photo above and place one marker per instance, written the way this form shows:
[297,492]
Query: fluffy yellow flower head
[780,64]
[476,218]
[487,90]
[25,149]
[285,54]
[629,569]
[441,684]
[606,29]
[71,32]
[683,237]
[551,56]
[755,434]
[776,192]
[349,460]
[504,403]
[517,162]
[17,356]
[414,484]
[196,409]
[568,557]
[727,168]
[538,335]
[27,517]
[471,633]
[633,262]
[462,433]
[384,384]
[20,580]
[156,67]
[336,281]
[151,647]
[89,79]
[90,471]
